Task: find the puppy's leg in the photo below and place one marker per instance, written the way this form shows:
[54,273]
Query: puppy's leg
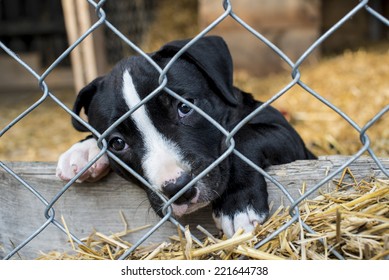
[242,206]
[73,160]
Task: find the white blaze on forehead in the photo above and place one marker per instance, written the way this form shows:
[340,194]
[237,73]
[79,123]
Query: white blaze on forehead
[162,160]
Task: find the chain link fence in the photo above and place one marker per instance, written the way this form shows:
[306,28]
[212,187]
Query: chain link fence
[49,205]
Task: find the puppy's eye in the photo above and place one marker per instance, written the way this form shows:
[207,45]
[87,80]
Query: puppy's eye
[184,109]
[118,144]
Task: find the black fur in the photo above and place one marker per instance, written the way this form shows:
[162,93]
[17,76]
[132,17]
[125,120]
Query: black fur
[203,74]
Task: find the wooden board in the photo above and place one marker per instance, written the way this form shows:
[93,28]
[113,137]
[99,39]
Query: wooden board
[95,206]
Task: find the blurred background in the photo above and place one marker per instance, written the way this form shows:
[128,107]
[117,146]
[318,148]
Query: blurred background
[350,69]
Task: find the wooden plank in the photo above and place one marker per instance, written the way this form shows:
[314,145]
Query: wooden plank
[89,58]
[88,47]
[95,206]
[72,30]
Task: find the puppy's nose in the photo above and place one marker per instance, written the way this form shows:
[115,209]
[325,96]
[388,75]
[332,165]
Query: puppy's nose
[171,188]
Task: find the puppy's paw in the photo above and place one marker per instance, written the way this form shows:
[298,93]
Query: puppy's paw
[246,219]
[77,157]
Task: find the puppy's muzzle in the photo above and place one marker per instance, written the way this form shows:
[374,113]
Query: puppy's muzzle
[172,188]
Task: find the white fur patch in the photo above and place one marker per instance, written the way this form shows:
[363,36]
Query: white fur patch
[162,161]
[245,220]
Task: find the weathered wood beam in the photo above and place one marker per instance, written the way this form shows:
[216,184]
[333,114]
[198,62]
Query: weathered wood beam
[95,206]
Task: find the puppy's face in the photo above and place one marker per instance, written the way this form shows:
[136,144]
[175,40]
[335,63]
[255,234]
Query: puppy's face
[165,140]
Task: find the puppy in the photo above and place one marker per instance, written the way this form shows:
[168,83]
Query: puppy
[169,143]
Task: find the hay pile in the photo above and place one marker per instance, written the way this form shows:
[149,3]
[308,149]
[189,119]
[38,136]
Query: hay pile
[43,134]
[353,219]
[356,82]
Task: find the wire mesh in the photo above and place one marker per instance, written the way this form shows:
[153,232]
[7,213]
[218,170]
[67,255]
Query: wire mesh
[49,205]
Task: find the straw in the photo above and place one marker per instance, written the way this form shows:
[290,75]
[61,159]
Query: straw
[353,219]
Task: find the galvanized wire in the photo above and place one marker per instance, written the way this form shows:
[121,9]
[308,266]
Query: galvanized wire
[49,212]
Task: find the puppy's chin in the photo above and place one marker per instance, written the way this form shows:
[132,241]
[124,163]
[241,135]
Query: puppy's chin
[182,209]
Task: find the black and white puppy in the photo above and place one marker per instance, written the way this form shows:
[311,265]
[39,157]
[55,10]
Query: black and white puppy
[169,143]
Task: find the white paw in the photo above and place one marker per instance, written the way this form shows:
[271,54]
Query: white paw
[246,220]
[73,160]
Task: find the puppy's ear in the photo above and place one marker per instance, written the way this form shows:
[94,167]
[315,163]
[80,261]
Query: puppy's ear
[83,100]
[211,55]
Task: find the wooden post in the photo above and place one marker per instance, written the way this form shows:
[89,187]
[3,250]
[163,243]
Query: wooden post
[86,65]
[71,24]
[88,48]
